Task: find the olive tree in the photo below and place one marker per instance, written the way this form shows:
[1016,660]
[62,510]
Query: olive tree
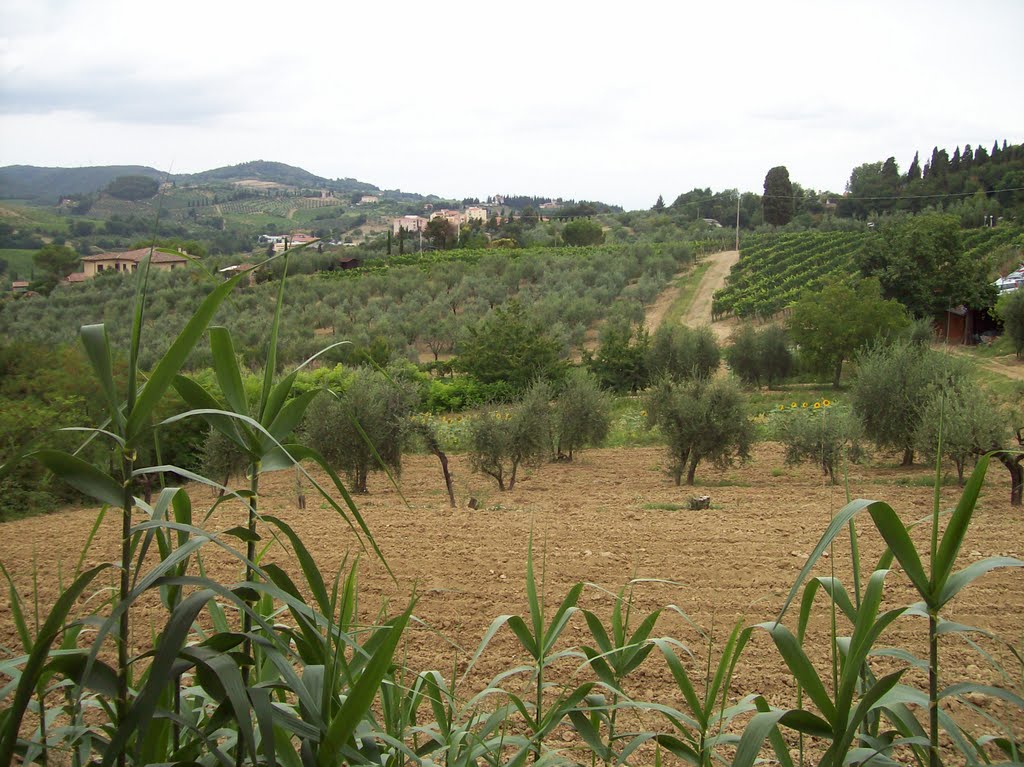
[760,355]
[501,441]
[365,427]
[581,415]
[893,386]
[824,434]
[700,419]
[679,352]
[960,423]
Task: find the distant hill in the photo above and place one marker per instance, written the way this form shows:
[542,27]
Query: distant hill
[46,185]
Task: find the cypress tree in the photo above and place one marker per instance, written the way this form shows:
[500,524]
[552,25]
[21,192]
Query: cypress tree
[914,171]
[778,197]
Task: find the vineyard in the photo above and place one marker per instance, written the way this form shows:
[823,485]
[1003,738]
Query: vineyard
[278,206]
[775,268]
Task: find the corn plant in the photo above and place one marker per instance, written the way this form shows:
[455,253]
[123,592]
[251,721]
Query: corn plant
[857,696]
[615,655]
[539,641]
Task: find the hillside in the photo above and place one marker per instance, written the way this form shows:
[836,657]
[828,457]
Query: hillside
[47,185]
[275,173]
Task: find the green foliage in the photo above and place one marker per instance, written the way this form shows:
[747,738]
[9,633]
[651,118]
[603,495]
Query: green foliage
[133,187]
[682,353]
[620,363]
[778,197]
[582,232]
[894,385]
[222,458]
[967,422]
[519,435]
[830,326]
[774,269]
[365,428]
[582,413]
[1010,309]
[823,433]
[700,419]
[54,262]
[756,355]
[509,345]
[921,262]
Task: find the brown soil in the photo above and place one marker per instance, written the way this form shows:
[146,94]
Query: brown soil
[714,278]
[602,519]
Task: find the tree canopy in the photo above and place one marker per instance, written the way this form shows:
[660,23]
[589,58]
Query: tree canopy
[921,262]
[778,197]
[829,326]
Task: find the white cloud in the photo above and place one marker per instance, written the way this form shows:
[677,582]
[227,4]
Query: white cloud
[588,100]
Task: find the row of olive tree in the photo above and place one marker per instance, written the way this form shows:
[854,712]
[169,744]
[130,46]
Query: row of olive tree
[547,423]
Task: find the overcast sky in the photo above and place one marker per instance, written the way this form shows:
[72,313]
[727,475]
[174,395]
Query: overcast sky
[588,100]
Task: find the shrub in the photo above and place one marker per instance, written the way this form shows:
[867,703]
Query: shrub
[1010,309]
[621,360]
[700,419]
[892,387]
[508,345]
[365,428]
[501,441]
[823,433]
[583,232]
[582,414]
[681,353]
[968,423]
[221,458]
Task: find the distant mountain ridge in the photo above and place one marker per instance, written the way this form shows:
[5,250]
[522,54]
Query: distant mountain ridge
[46,185]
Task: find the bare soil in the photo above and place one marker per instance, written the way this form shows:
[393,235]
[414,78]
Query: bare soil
[607,517]
[714,278]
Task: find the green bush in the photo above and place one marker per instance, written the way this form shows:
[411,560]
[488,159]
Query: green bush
[502,441]
[620,363]
[581,414]
[1010,309]
[822,433]
[893,385]
[760,355]
[365,428]
[511,346]
[700,419]
[681,353]
[967,422]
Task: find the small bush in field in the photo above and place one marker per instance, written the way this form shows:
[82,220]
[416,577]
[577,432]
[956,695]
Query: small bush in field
[968,423]
[679,353]
[221,458]
[700,419]
[582,413]
[822,433]
[501,441]
[760,356]
[894,383]
[366,427]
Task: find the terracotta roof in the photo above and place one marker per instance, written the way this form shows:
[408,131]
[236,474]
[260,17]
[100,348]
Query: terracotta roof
[76,277]
[20,284]
[159,257]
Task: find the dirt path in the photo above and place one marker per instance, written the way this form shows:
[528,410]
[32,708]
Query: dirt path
[1008,366]
[714,278]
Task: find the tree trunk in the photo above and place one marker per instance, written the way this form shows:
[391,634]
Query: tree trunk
[908,457]
[836,375]
[1012,462]
[691,471]
[447,475]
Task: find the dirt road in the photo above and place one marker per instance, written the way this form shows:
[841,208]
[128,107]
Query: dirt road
[714,278]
